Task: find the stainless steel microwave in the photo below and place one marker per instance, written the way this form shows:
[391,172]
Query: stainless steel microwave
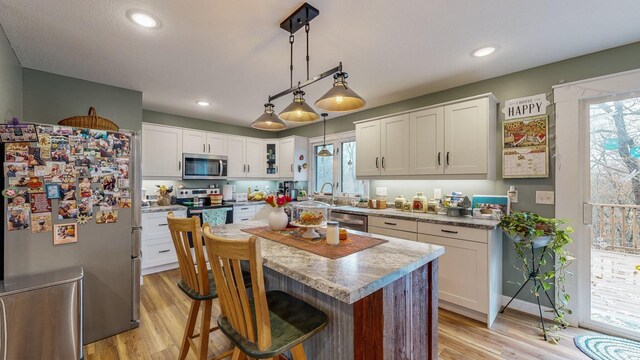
[203,167]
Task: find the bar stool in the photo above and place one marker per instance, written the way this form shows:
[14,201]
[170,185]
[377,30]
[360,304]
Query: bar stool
[270,322]
[196,282]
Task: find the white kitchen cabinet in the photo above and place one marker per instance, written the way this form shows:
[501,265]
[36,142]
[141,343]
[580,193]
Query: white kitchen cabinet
[368,148]
[394,145]
[216,144]
[426,141]
[470,271]
[456,138]
[236,165]
[194,142]
[255,154]
[293,154]
[158,251]
[271,153]
[161,151]
[466,137]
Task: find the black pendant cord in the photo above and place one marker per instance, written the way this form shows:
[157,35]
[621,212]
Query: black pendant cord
[291,40]
[306,30]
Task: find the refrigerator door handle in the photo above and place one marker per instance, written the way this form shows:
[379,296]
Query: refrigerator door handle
[135,291]
[136,237]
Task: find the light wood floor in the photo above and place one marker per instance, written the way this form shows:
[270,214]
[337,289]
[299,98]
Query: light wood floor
[164,311]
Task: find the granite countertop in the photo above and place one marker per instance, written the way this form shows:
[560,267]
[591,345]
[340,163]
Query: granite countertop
[153,209]
[349,278]
[465,221]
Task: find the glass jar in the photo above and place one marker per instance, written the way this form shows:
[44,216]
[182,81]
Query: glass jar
[407,206]
[399,202]
[419,202]
[333,235]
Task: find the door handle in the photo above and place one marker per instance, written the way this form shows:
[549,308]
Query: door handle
[383,162]
[204,148]
[179,165]
[244,168]
[221,166]
[439,158]
[447,158]
[377,167]
[448,231]
[209,148]
[248,167]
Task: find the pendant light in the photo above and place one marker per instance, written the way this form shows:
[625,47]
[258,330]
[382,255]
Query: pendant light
[299,111]
[340,97]
[324,151]
[268,120]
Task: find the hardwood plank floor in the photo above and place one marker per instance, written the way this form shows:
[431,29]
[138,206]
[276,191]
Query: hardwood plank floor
[163,314]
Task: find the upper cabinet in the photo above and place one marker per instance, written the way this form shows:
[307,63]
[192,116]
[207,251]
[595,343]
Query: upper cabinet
[203,142]
[161,151]
[194,142]
[292,158]
[163,146]
[456,138]
[383,146]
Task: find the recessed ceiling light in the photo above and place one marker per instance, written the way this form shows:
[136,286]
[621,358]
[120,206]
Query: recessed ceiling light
[143,19]
[203,103]
[484,51]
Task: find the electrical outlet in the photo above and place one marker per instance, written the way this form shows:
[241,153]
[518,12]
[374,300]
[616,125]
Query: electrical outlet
[545,197]
[513,196]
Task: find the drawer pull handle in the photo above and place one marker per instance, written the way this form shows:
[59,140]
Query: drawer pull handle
[390,223]
[163,224]
[245,219]
[163,251]
[245,208]
[449,231]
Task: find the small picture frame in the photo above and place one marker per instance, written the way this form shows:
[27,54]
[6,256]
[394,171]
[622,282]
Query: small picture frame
[53,191]
[65,233]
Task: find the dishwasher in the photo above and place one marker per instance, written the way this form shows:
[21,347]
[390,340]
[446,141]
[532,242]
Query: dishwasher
[350,221]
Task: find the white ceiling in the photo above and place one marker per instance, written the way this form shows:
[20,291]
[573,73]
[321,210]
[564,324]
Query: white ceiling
[234,54]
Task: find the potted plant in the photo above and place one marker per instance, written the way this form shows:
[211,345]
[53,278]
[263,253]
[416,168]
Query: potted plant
[278,219]
[531,231]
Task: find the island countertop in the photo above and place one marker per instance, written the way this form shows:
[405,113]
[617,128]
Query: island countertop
[465,221]
[349,278]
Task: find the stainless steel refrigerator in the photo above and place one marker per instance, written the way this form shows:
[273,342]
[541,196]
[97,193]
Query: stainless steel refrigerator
[108,253]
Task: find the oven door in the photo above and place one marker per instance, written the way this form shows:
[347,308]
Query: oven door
[198,212]
[203,167]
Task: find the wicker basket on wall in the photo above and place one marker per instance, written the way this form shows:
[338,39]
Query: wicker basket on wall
[91,121]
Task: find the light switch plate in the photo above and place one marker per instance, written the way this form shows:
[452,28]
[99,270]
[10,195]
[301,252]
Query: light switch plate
[545,197]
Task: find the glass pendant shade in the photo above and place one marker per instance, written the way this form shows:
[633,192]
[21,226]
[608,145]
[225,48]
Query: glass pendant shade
[299,110]
[340,97]
[268,120]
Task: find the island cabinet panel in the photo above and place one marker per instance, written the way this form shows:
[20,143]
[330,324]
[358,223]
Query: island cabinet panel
[400,320]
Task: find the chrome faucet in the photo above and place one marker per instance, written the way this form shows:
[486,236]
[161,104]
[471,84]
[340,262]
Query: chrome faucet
[325,184]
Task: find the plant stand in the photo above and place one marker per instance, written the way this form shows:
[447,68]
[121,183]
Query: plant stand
[535,271]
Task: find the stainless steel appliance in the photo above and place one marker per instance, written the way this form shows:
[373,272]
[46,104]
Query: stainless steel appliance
[108,253]
[197,200]
[350,221]
[203,167]
[41,316]
[288,188]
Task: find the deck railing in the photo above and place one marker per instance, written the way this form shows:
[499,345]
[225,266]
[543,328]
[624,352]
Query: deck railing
[616,227]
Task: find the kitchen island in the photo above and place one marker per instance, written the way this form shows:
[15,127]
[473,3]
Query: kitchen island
[382,302]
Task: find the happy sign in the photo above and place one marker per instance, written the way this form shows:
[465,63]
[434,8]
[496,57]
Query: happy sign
[525,107]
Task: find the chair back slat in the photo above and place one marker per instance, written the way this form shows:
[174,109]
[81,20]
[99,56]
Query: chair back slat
[225,256]
[193,270]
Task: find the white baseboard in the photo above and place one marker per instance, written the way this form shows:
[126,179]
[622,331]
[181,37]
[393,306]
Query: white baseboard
[528,307]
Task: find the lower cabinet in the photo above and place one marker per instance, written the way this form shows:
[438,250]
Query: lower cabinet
[242,213]
[470,271]
[158,251]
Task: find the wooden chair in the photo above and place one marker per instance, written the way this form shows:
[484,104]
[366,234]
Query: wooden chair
[196,282]
[270,322]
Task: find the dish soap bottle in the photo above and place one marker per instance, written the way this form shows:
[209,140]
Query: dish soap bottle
[419,202]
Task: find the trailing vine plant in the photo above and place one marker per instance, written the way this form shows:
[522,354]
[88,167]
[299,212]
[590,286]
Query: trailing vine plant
[524,228]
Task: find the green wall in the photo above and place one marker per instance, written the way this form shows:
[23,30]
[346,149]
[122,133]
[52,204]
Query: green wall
[10,81]
[49,98]
[155,117]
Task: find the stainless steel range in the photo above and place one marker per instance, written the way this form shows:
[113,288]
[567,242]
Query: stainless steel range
[197,200]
